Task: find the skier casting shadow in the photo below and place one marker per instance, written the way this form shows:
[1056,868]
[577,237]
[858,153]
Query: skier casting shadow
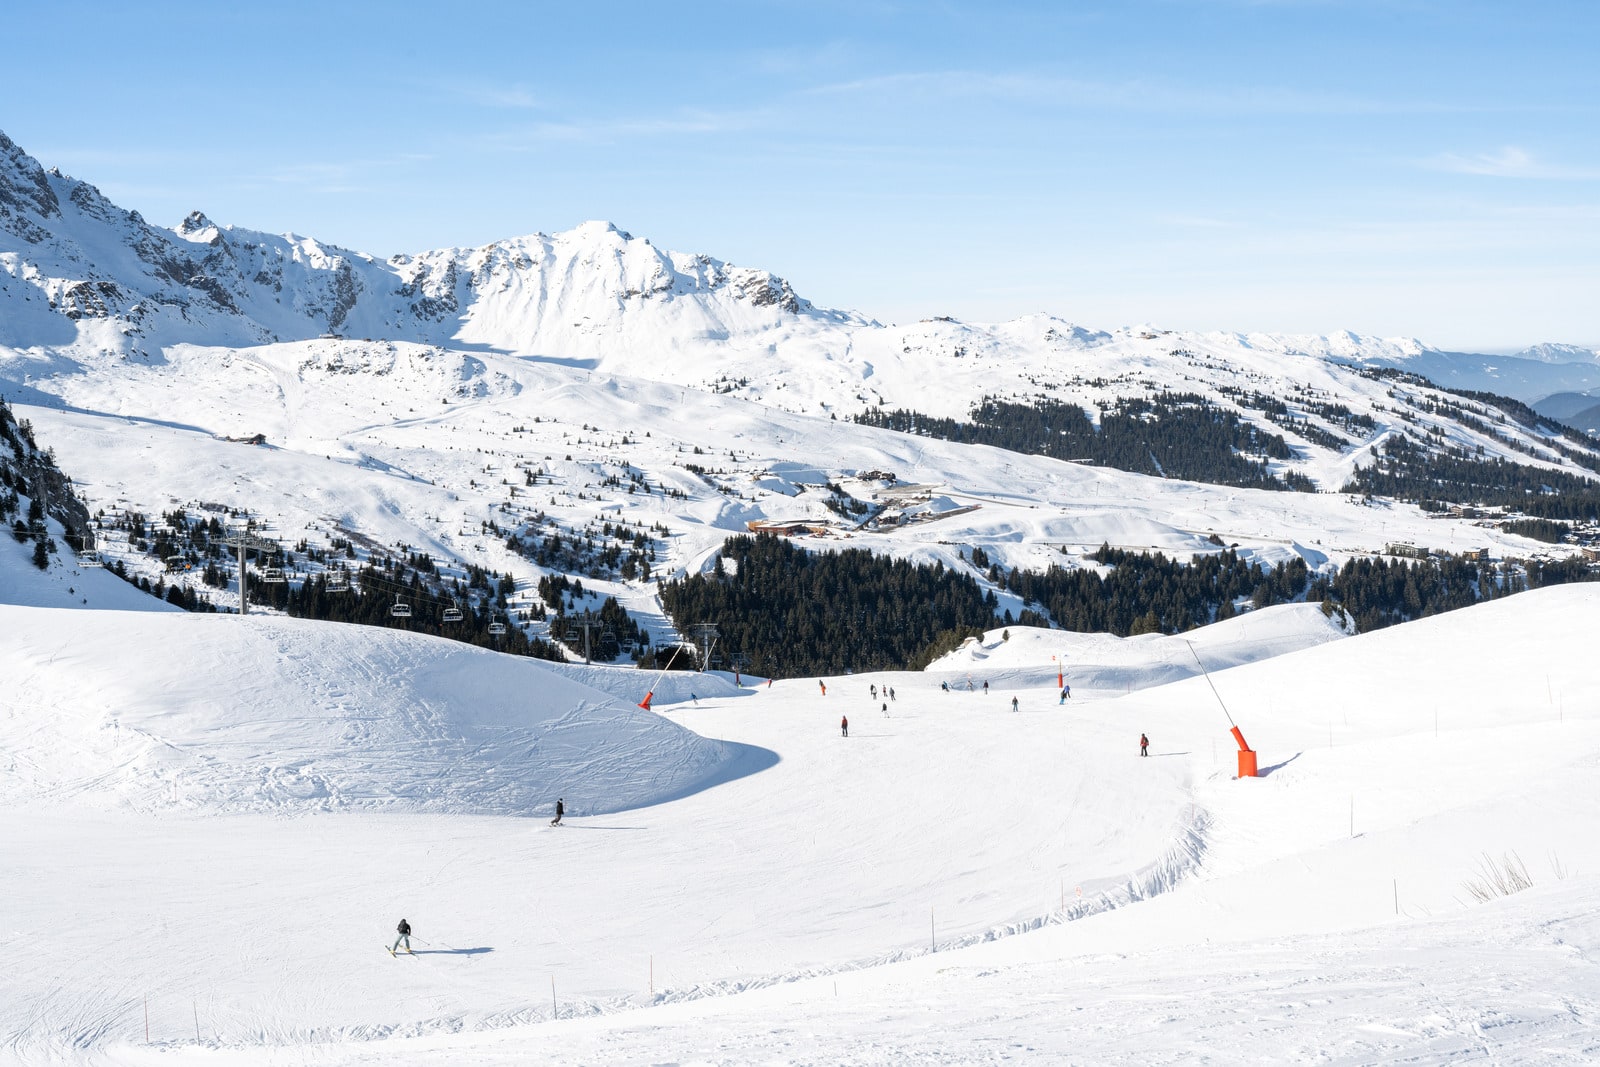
[844,726]
[1144,745]
[561,809]
[404,930]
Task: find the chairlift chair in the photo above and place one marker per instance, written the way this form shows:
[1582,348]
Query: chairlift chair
[273,575]
[497,627]
[400,609]
[337,582]
[452,614]
[90,559]
[573,634]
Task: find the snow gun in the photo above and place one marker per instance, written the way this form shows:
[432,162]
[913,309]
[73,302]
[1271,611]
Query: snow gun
[645,703]
[1247,756]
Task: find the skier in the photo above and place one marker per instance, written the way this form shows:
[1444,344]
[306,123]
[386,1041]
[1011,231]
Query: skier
[561,809]
[822,687]
[886,709]
[873,689]
[1013,703]
[891,693]
[1066,691]
[986,687]
[405,935]
[1144,745]
[844,726]
[945,686]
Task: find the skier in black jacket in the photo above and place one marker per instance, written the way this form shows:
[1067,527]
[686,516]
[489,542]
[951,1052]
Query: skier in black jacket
[561,809]
[405,935]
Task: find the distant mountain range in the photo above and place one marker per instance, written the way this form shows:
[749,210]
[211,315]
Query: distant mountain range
[80,273]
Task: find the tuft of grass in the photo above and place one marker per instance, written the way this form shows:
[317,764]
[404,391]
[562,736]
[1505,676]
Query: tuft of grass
[1498,878]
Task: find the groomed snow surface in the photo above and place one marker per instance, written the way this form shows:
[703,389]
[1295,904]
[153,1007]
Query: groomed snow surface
[215,822]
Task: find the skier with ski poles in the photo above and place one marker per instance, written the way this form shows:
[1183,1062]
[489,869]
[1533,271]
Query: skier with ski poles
[405,935]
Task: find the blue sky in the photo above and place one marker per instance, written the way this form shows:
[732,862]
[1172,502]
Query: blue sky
[1415,167]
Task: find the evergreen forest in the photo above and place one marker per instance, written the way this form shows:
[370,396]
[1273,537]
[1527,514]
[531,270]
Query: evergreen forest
[797,613]
[1172,435]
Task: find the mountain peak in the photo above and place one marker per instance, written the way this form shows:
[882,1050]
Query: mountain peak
[1550,352]
[24,185]
[194,222]
[598,228]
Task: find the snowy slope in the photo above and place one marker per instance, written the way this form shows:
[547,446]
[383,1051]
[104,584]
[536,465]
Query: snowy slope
[212,713]
[1318,912]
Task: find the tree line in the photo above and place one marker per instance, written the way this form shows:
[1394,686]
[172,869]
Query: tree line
[1173,435]
[796,613]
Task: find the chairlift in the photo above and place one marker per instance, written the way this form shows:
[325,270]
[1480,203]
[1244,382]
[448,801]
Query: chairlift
[177,563]
[497,627]
[573,634]
[273,576]
[90,559]
[452,614]
[400,609]
[337,582]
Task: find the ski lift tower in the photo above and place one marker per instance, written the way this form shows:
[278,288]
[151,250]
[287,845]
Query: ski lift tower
[704,635]
[588,622]
[243,539]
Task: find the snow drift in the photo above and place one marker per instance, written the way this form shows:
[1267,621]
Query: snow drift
[225,714]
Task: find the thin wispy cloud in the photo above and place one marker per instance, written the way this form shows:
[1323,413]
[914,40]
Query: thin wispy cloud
[621,128]
[1132,95]
[509,97]
[1512,162]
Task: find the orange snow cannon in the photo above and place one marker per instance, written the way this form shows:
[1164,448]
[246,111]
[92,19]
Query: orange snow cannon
[1247,758]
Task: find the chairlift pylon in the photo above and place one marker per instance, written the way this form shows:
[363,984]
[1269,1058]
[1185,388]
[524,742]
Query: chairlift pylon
[400,609]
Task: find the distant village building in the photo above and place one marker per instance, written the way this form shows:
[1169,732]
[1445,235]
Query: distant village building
[1408,550]
[789,529]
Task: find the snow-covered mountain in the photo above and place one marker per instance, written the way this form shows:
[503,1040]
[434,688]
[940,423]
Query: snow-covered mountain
[1559,353]
[97,273]
[84,276]
[462,400]
[217,819]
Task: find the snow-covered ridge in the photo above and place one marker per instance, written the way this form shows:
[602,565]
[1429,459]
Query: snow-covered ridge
[66,248]
[209,713]
[76,269]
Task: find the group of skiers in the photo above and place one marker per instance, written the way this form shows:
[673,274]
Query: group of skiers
[1066,693]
